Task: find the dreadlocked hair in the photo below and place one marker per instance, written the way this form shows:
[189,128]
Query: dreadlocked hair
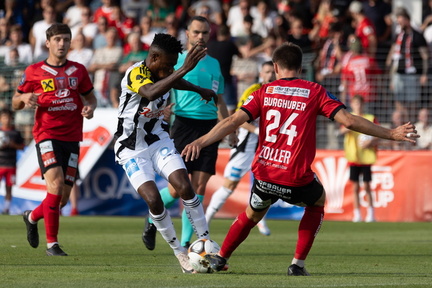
[167,43]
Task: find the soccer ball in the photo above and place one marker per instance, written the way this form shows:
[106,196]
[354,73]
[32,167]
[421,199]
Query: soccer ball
[196,252]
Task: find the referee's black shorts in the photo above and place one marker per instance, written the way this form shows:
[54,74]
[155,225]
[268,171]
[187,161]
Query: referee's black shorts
[186,130]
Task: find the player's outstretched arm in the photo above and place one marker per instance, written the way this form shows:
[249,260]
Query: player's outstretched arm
[405,132]
[223,128]
[158,89]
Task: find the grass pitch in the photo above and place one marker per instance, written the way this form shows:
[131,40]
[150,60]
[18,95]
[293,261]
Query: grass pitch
[108,252]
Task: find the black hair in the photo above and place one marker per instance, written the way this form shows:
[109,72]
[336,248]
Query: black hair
[270,63]
[6,111]
[197,18]
[288,56]
[57,29]
[167,43]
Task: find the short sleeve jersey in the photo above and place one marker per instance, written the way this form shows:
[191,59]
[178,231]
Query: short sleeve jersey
[59,113]
[139,119]
[288,109]
[206,74]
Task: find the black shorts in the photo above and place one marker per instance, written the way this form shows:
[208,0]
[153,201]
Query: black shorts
[265,194]
[54,153]
[185,131]
[356,171]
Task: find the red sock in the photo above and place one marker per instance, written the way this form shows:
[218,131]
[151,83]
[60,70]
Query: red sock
[309,226]
[52,216]
[38,212]
[237,233]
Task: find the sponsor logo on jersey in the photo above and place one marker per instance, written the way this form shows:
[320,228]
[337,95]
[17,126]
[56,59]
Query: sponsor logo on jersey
[63,100]
[66,107]
[131,167]
[62,93]
[48,85]
[148,113]
[49,70]
[289,91]
[73,82]
[70,70]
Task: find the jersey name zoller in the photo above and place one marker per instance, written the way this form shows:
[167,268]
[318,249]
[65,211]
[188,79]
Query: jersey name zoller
[274,154]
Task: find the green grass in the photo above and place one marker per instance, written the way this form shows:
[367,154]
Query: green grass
[108,252]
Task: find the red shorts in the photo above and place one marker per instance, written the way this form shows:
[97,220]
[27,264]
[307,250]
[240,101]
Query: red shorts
[8,173]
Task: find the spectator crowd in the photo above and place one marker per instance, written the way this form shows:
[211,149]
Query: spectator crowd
[369,48]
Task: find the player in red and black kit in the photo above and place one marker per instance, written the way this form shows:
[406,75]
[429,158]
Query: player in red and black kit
[54,88]
[287,108]
[10,141]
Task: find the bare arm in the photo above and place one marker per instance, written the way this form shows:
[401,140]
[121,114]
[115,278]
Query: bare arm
[362,125]
[20,101]
[90,103]
[223,128]
[425,57]
[156,90]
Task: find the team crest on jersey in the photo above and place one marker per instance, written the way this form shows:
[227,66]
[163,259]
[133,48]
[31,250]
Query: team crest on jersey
[48,85]
[60,82]
[248,100]
[73,82]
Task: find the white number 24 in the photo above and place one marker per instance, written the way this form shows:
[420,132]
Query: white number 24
[286,128]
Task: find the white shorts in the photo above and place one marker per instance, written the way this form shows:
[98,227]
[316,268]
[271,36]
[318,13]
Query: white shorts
[242,156]
[161,158]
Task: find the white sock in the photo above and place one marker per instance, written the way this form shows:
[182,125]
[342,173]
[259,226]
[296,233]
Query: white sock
[49,245]
[371,213]
[217,201]
[6,205]
[357,213]
[31,221]
[195,213]
[298,262]
[165,226]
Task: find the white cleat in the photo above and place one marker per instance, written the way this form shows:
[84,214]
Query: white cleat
[263,228]
[184,263]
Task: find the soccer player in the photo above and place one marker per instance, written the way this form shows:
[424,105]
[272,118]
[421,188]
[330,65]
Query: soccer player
[287,108]
[10,141]
[361,153]
[54,88]
[242,155]
[143,146]
[194,118]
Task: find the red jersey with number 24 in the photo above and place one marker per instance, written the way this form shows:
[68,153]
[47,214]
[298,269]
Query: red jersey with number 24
[59,113]
[288,109]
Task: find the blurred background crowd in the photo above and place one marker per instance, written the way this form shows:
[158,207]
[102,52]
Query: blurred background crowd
[372,48]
